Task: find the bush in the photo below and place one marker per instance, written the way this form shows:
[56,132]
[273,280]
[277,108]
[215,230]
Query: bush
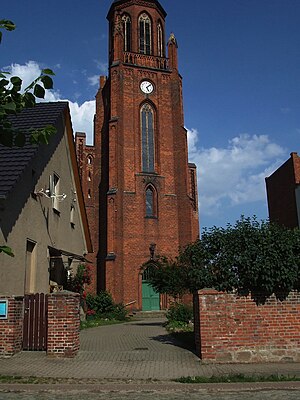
[104,307]
[180,313]
[118,313]
[82,277]
[102,302]
[249,257]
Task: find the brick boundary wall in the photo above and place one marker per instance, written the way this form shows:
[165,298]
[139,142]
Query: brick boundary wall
[229,328]
[63,324]
[11,329]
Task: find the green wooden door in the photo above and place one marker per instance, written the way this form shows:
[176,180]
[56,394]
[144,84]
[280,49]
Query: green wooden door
[150,297]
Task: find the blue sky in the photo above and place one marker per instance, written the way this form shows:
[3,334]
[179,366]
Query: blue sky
[240,62]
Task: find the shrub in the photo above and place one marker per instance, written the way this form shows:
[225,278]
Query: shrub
[104,307]
[180,313]
[82,277]
[118,313]
[102,302]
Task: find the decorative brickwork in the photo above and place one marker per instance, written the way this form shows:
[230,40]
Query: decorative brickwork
[234,329]
[63,324]
[11,329]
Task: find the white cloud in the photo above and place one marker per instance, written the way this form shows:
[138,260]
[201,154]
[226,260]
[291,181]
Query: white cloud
[82,115]
[102,66]
[28,72]
[233,175]
[93,80]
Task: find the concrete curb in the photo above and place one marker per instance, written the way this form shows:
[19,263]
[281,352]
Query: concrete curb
[147,387]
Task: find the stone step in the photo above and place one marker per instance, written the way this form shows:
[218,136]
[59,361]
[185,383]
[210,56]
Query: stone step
[149,314]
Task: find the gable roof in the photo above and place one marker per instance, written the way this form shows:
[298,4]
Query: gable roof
[152,2]
[13,161]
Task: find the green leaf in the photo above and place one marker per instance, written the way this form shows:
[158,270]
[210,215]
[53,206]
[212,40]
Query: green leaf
[9,107]
[7,24]
[28,100]
[39,91]
[16,81]
[7,138]
[47,71]
[7,250]
[42,135]
[4,82]
[20,139]
[47,81]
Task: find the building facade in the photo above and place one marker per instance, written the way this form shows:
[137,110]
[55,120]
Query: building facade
[42,213]
[140,192]
[283,192]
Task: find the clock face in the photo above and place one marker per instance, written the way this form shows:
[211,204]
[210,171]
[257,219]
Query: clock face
[146,87]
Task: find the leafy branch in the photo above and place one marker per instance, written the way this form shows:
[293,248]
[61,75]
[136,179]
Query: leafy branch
[7,250]
[13,101]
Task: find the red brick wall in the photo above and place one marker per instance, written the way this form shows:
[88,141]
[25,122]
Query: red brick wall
[234,329]
[63,324]
[11,329]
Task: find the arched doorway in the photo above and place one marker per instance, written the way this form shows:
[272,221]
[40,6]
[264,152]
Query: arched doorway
[150,298]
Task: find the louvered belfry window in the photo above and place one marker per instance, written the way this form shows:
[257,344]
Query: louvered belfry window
[160,41]
[145,34]
[147,128]
[127,32]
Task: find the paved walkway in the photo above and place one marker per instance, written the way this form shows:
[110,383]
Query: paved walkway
[139,350]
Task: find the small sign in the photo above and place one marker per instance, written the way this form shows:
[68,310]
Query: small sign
[3,309]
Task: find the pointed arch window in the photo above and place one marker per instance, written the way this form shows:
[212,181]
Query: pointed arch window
[145,34]
[147,130]
[160,41]
[151,202]
[127,32]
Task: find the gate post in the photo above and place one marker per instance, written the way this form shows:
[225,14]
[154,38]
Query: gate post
[63,324]
[11,325]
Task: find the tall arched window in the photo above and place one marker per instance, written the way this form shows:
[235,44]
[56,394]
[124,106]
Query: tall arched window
[145,34]
[151,201]
[127,32]
[147,131]
[160,41]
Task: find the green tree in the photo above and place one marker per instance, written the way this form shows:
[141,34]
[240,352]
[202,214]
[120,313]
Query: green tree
[254,257]
[13,101]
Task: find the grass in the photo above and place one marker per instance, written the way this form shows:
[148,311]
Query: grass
[93,323]
[24,379]
[238,378]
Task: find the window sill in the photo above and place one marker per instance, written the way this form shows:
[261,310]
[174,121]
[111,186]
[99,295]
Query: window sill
[150,217]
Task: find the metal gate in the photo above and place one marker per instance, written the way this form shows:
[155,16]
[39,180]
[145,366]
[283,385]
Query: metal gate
[35,322]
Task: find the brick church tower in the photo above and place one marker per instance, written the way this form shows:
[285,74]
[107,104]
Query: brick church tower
[140,191]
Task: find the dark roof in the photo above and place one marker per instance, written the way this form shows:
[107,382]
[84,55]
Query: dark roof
[13,161]
[156,2]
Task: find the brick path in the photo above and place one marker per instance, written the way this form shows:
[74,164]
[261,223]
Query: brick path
[132,351]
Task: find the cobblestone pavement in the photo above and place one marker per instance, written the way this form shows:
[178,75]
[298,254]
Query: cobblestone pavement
[135,350]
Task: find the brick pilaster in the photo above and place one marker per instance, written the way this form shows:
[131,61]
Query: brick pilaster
[11,329]
[63,324]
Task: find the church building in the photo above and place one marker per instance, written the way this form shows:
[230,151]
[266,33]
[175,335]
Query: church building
[140,191]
